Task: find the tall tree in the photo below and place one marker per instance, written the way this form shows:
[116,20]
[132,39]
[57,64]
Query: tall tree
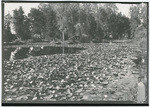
[7,36]
[97,29]
[21,25]
[62,11]
[72,19]
[37,21]
[135,21]
[143,14]
[119,26]
[105,12]
[51,30]
[27,31]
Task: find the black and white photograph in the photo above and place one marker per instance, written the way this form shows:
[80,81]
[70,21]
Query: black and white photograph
[76,52]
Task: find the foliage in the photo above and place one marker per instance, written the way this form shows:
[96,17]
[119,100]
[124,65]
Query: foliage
[37,38]
[134,11]
[57,21]
[37,21]
[7,35]
[138,14]
[144,14]
[100,72]
[51,27]
[119,26]
[21,24]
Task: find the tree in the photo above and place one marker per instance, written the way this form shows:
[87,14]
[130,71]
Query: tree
[21,24]
[110,7]
[37,21]
[62,11]
[135,21]
[27,32]
[51,30]
[143,14]
[73,20]
[7,35]
[105,12]
[97,24]
[119,26]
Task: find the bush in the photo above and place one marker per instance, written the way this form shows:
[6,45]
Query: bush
[37,38]
[85,38]
[141,37]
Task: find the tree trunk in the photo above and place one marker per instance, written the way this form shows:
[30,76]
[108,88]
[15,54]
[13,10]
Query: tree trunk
[63,41]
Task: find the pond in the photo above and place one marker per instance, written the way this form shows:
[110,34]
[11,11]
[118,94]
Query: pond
[99,73]
[25,52]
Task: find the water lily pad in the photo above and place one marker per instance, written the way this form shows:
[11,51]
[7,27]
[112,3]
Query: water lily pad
[80,90]
[23,97]
[9,99]
[118,93]
[114,96]
[134,58]
[105,83]
[135,72]
[35,98]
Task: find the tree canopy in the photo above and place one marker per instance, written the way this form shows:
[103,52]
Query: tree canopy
[21,24]
[52,21]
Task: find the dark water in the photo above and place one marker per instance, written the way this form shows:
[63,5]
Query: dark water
[25,52]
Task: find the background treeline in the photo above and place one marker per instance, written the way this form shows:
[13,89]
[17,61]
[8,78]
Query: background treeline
[82,22]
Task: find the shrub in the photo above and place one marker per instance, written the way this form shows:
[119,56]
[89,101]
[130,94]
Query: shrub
[37,38]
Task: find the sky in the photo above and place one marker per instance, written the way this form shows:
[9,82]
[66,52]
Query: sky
[124,9]
[9,7]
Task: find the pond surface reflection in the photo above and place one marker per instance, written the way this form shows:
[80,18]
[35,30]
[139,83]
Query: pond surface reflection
[25,52]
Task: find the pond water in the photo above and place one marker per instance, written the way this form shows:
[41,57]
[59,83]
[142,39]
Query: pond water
[25,52]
